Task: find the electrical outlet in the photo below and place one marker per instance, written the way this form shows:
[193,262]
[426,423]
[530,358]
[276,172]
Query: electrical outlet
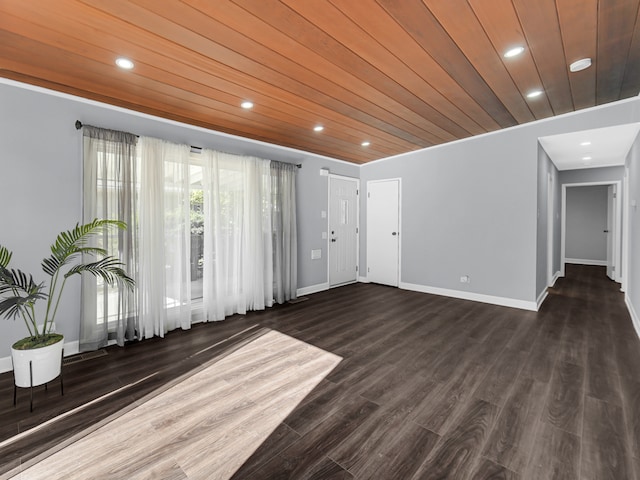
[465,279]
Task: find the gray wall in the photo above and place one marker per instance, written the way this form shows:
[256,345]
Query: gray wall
[470,207]
[586,220]
[40,160]
[591,175]
[41,166]
[633,285]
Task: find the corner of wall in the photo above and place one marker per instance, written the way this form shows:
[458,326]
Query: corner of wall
[634,316]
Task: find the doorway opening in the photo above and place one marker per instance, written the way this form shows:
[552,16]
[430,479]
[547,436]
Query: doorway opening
[592,226]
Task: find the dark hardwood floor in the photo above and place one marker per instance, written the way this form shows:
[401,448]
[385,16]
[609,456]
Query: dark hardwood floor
[428,387]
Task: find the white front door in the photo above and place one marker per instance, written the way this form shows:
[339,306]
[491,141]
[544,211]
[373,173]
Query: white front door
[343,230]
[383,232]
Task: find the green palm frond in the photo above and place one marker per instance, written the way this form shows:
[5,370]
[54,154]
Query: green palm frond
[52,264]
[108,268]
[22,289]
[17,280]
[73,242]
[5,256]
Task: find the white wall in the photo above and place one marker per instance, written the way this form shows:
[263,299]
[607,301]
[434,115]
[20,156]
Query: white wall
[40,160]
[586,220]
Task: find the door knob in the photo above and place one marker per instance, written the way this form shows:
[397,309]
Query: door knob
[606,231]
[333,239]
[394,233]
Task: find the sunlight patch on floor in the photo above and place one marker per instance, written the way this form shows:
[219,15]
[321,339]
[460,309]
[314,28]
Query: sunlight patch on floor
[205,426]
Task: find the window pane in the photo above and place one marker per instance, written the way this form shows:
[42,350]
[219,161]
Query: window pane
[197,230]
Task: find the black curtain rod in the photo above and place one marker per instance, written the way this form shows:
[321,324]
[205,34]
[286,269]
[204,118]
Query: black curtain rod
[79,125]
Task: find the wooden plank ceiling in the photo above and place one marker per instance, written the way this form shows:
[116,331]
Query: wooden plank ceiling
[400,74]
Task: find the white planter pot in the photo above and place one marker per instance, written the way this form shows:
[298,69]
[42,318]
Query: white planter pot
[43,363]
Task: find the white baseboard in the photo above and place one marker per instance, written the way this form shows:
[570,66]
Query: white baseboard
[476,297]
[541,298]
[634,316]
[363,280]
[555,278]
[70,348]
[5,364]
[581,261]
[321,287]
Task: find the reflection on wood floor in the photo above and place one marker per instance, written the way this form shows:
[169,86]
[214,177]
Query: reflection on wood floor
[362,381]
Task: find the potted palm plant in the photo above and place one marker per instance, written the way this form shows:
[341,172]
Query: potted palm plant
[37,357]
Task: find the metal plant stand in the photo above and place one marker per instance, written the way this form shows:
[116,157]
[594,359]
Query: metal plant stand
[46,385]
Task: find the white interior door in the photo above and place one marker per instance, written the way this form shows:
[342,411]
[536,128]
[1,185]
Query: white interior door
[383,232]
[343,230]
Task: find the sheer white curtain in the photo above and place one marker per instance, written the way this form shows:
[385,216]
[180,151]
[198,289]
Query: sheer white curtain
[238,265]
[110,183]
[164,282]
[284,231]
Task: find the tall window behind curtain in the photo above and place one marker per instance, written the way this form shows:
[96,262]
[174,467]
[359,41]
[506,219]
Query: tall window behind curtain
[110,185]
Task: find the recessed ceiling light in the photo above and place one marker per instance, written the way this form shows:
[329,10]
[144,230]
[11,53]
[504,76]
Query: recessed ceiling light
[513,52]
[246,104]
[534,93]
[365,143]
[580,64]
[318,128]
[124,63]
[586,158]
[584,144]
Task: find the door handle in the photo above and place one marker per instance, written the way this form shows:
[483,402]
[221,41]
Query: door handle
[606,231]
[333,239]
[394,233]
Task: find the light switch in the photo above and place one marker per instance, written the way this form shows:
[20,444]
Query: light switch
[323,214]
[324,235]
[316,254]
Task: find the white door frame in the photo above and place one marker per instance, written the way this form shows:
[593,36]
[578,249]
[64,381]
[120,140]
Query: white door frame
[357,180]
[400,231]
[619,258]
[550,223]
[625,229]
